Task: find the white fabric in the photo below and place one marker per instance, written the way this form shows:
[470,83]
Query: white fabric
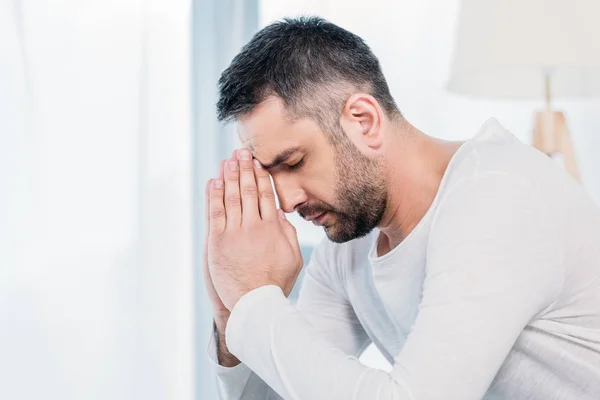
[495,294]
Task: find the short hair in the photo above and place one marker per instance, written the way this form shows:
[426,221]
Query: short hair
[310,63]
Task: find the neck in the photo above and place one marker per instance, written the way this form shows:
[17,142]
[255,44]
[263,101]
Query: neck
[412,183]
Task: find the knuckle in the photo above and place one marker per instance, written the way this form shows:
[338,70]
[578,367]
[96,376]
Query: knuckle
[217,213]
[232,199]
[246,166]
[263,175]
[267,195]
[251,226]
[249,191]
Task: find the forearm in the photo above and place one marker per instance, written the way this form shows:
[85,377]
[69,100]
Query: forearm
[287,352]
[269,335]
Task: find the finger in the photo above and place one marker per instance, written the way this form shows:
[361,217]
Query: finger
[266,196]
[290,232]
[248,190]
[217,208]
[221,177]
[233,207]
[207,213]
[207,233]
[221,170]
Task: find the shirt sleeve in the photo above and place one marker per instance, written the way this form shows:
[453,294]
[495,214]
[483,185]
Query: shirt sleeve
[324,307]
[493,264]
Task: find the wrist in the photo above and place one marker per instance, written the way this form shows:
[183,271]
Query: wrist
[224,357]
[220,319]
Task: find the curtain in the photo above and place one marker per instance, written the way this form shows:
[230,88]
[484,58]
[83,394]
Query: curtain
[96,190]
[220,29]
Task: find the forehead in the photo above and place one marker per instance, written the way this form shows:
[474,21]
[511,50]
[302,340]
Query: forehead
[269,130]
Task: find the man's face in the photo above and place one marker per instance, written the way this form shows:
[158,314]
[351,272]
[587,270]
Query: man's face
[335,186]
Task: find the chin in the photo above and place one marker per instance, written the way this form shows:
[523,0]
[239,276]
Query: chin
[337,236]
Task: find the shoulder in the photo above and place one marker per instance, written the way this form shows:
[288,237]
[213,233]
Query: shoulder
[496,150]
[496,224]
[494,171]
[491,200]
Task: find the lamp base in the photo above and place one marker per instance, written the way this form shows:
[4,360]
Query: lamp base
[551,137]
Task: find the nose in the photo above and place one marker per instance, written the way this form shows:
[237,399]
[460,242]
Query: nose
[290,194]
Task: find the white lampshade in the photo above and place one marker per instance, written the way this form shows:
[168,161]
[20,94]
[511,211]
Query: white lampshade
[505,48]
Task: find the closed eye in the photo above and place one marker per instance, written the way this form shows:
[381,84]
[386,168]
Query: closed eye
[297,165]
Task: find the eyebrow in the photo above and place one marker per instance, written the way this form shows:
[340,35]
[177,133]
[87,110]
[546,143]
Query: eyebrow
[281,157]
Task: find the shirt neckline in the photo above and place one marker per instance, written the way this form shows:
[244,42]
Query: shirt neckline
[457,157]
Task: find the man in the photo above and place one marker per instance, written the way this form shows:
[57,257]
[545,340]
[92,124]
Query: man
[474,267]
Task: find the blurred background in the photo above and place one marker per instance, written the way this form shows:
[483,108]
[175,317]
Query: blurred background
[108,135]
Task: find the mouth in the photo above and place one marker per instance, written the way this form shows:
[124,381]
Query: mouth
[317,219]
[314,216]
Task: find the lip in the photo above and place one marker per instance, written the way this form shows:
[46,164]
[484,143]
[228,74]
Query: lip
[319,219]
[314,217]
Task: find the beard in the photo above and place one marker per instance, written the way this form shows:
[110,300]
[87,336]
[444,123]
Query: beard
[360,195]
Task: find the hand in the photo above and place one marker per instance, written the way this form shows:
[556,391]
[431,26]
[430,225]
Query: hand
[250,243]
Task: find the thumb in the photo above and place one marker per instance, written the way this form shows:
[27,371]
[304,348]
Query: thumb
[289,230]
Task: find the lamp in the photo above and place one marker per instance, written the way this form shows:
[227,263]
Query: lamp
[521,49]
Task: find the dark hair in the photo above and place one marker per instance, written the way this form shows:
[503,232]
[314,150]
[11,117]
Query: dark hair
[308,62]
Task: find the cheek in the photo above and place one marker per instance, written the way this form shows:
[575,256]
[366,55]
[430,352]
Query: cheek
[321,178]
[321,191]
[318,178]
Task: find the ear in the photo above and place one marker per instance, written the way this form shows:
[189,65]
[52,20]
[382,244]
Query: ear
[361,120]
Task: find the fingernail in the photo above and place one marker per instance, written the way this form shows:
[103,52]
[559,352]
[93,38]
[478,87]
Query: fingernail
[232,165]
[244,154]
[257,164]
[281,214]
[218,183]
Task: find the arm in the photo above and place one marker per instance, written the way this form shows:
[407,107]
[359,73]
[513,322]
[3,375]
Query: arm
[323,306]
[493,265]
[250,242]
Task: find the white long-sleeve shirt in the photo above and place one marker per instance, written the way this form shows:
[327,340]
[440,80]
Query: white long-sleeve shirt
[495,294]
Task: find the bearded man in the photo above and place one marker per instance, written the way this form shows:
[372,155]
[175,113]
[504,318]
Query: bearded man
[474,266]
